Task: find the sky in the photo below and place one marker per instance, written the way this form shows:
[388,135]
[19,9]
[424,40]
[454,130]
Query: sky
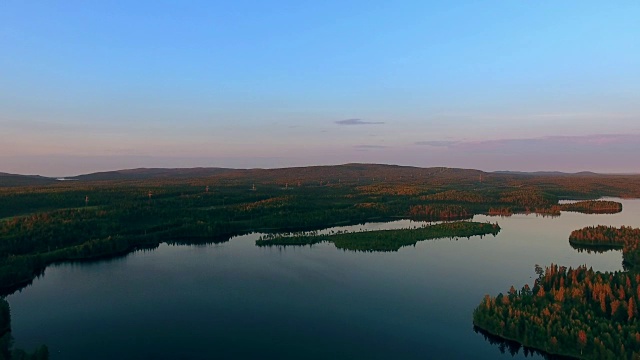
[493,85]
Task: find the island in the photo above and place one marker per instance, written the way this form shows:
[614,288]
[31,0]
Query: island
[385,240]
[578,312]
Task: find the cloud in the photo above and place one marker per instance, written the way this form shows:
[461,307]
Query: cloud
[357,122]
[610,143]
[438,143]
[593,141]
[537,116]
[370,147]
[603,139]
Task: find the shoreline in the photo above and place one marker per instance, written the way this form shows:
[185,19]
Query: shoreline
[543,351]
[18,284]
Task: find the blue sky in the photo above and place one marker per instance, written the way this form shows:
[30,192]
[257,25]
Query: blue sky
[493,85]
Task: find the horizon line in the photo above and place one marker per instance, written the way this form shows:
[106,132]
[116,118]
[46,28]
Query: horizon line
[70,177]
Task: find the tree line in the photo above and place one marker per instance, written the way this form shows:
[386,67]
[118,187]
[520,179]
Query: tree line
[576,312]
[385,240]
[75,221]
[6,340]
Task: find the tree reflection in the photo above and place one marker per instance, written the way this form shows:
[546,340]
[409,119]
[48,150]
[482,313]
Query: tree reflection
[514,347]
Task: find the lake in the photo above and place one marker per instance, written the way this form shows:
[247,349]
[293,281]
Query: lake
[237,300]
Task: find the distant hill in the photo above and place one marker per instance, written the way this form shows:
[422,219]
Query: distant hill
[357,171]
[332,173]
[24,180]
[322,174]
[547,173]
[346,172]
[151,173]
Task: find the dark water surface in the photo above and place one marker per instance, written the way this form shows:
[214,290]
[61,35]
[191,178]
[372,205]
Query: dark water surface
[236,300]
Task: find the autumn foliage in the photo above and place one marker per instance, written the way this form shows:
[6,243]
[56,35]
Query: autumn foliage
[593,207]
[577,312]
[439,212]
[624,237]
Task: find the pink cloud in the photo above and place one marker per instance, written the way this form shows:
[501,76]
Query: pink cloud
[612,142]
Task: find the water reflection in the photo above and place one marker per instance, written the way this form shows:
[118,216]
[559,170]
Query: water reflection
[595,249]
[382,240]
[513,348]
[202,242]
[232,299]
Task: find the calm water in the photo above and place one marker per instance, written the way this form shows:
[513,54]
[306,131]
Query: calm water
[235,300]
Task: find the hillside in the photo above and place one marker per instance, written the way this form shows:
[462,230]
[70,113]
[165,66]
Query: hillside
[7,180]
[150,173]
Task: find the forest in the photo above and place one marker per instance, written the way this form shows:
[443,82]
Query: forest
[576,312]
[111,214]
[384,240]
[593,207]
[44,221]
